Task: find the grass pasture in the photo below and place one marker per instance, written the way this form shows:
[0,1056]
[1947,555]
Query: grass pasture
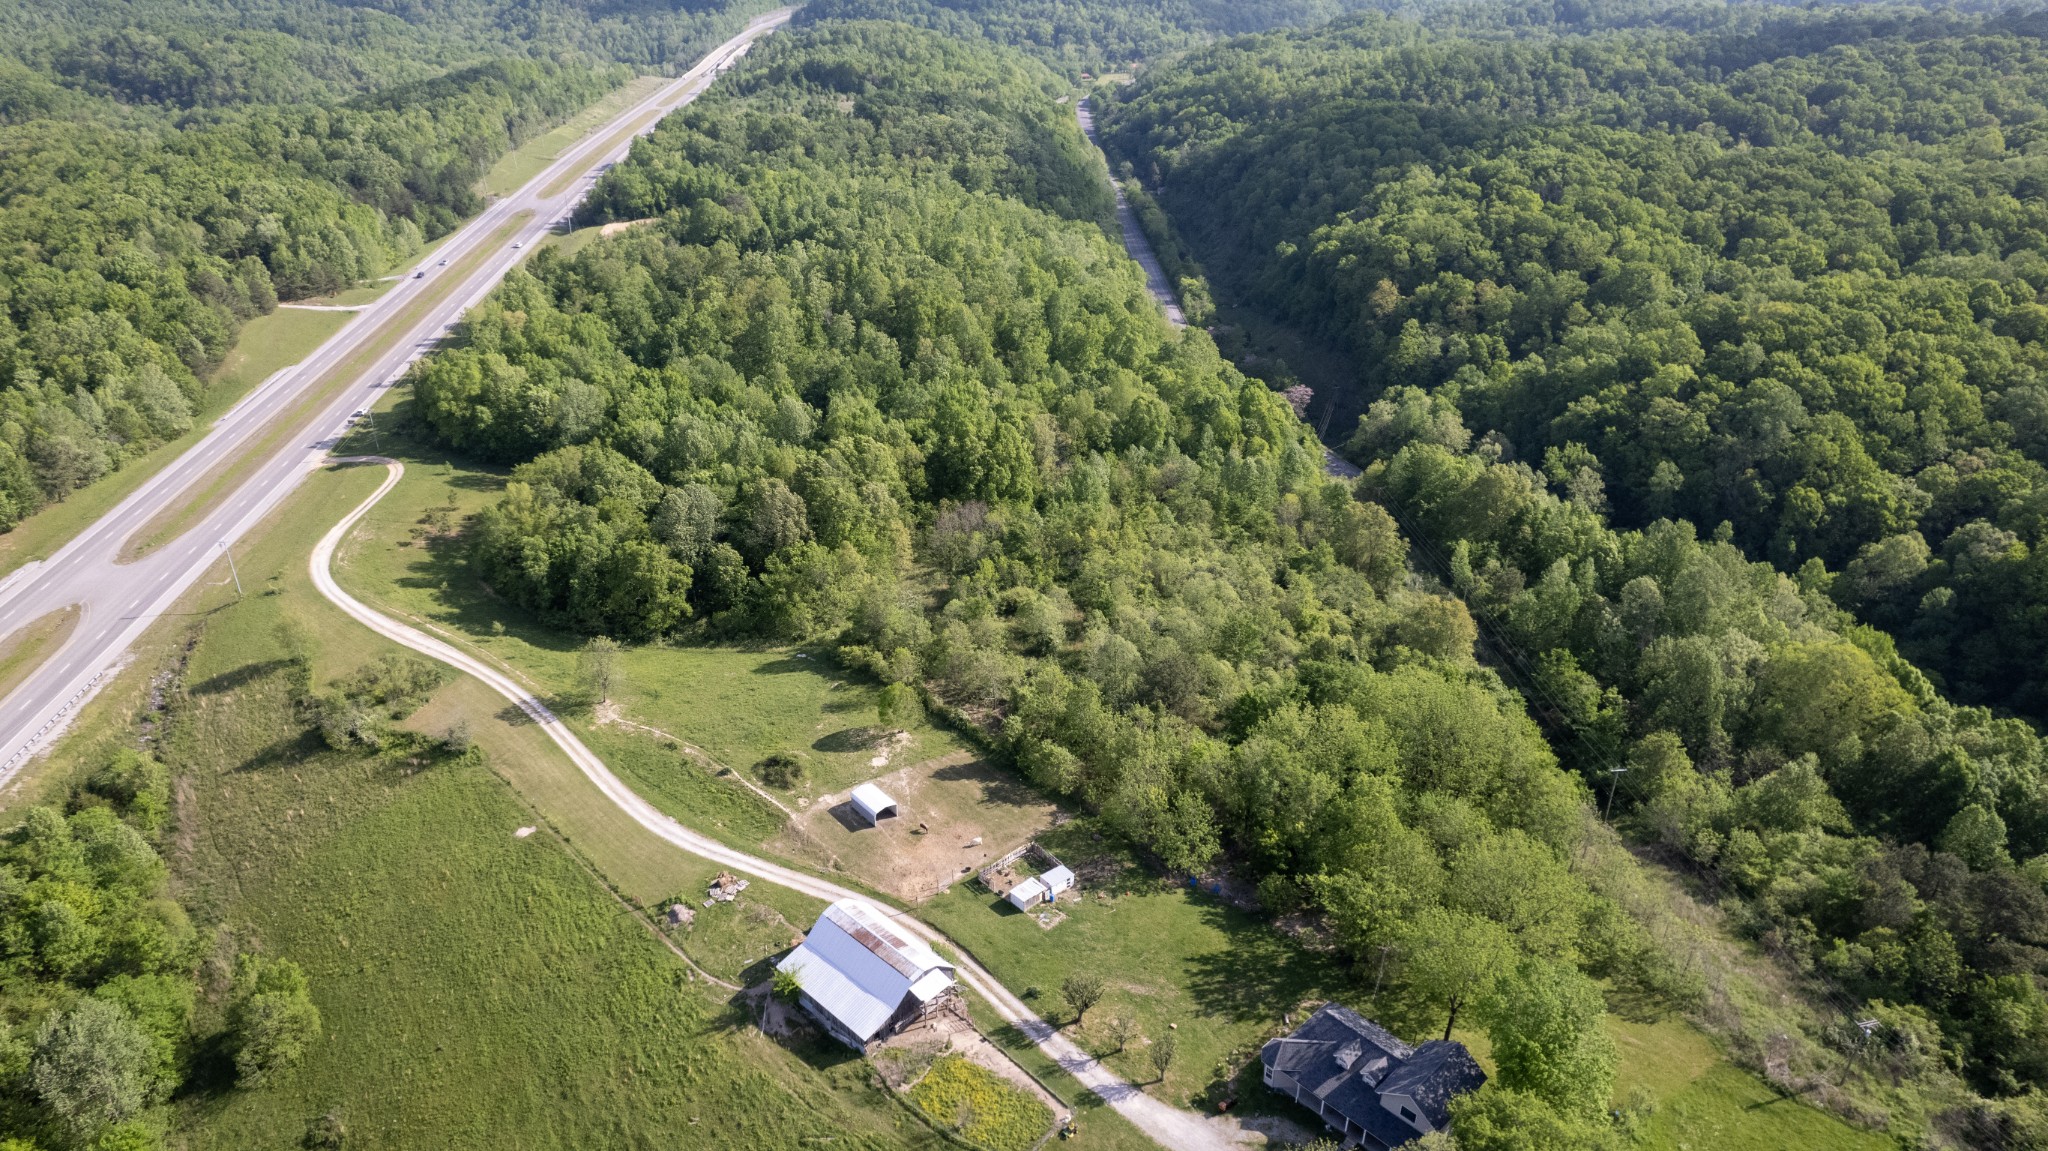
[479,988]
[1221,976]
[1702,1101]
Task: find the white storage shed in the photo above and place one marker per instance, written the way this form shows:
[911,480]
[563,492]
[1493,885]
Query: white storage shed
[1059,879]
[873,804]
[1028,894]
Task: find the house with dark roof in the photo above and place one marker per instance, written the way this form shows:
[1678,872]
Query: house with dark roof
[1373,1090]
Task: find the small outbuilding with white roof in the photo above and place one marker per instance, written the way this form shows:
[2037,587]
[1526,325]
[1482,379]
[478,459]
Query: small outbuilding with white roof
[1027,894]
[1058,879]
[873,804]
[863,978]
[1039,889]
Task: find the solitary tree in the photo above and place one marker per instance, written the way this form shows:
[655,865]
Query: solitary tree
[272,1020]
[1496,1118]
[597,665]
[1163,1050]
[894,705]
[1123,1029]
[787,986]
[1544,1021]
[1081,991]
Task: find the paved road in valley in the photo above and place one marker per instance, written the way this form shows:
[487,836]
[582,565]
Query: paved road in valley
[1140,249]
[238,471]
[1135,242]
[1170,1126]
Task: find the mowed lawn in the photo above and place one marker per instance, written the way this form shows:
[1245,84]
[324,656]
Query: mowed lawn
[479,989]
[1219,978]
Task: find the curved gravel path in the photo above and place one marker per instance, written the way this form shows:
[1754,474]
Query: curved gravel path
[1171,1127]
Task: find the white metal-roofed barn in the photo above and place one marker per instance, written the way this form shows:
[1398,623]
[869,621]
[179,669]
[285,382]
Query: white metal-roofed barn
[862,977]
[873,804]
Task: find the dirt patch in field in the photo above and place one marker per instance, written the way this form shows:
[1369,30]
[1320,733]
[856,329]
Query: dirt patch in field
[955,814]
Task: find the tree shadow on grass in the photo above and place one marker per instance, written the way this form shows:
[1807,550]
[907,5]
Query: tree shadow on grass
[288,751]
[996,786]
[1260,976]
[472,481]
[240,677]
[846,739]
[210,1074]
[760,970]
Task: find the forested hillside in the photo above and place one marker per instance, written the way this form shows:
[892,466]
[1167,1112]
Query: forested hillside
[1696,277]
[879,379]
[1073,35]
[168,172]
[1709,366]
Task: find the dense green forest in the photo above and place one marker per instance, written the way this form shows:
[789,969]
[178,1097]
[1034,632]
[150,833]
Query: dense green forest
[880,379]
[1778,282]
[1074,35]
[1784,279]
[168,173]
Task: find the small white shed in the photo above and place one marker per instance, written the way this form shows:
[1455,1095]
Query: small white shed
[1028,894]
[1059,879]
[873,804]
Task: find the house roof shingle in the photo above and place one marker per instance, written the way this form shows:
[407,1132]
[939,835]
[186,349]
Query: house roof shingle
[1348,1063]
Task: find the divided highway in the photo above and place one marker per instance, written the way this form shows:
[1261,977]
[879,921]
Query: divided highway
[323,392]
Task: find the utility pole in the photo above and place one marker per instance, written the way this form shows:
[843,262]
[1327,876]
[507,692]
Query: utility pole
[371,419]
[1612,787]
[231,567]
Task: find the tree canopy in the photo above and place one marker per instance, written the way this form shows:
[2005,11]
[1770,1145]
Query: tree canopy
[877,378]
[172,172]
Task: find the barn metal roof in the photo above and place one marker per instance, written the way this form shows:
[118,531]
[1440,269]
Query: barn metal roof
[857,966]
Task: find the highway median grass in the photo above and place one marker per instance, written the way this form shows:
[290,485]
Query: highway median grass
[25,648]
[179,516]
[515,168]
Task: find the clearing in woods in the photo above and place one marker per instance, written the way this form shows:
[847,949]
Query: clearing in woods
[1222,978]
[685,721]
